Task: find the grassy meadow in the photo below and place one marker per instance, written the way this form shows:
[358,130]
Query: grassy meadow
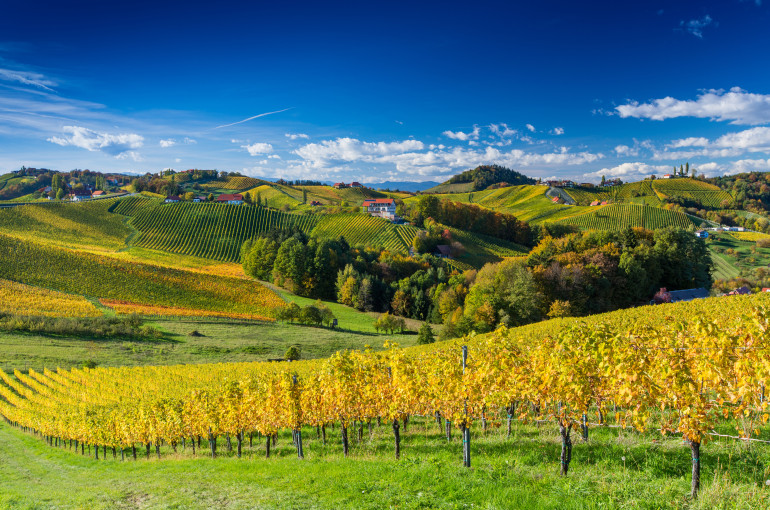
[615,469]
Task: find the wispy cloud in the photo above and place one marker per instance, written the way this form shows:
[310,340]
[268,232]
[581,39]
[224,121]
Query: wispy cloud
[27,78]
[167,143]
[696,26]
[557,131]
[735,105]
[729,145]
[531,128]
[297,136]
[252,118]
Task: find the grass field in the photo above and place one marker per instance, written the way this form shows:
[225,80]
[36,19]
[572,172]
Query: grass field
[222,341]
[735,257]
[615,469]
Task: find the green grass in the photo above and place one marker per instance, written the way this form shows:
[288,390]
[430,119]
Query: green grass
[223,341]
[735,258]
[516,473]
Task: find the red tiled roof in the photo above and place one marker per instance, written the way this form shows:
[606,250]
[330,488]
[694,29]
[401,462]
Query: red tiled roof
[228,197]
[370,201]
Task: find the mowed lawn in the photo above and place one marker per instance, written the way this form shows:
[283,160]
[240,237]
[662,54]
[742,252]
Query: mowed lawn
[613,470]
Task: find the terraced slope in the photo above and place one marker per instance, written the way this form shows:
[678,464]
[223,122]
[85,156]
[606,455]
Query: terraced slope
[87,224]
[619,216]
[362,229]
[209,230]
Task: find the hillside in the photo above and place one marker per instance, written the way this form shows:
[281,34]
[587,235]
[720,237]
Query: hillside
[620,459]
[638,204]
[481,178]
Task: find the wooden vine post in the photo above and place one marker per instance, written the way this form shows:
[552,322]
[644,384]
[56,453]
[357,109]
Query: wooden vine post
[466,430]
[298,424]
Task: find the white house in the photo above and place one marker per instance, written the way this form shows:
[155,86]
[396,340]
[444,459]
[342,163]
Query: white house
[383,207]
[234,199]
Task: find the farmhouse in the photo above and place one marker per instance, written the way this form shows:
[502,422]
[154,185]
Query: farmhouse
[79,195]
[172,199]
[702,234]
[443,251]
[595,202]
[383,207]
[98,193]
[688,294]
[355,184]
[340,185]
[234,199]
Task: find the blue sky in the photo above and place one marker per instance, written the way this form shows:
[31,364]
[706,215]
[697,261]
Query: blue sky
[376,91]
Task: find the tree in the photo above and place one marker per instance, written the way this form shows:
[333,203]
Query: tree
[60,194]
[289,269]
[559,309]
[425,335]
[293,353]
[604,179]
[365,301]
[259,198]
[258,258]
[304,196]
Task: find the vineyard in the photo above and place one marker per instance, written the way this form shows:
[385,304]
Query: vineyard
[66,224]
[208,230]
[235,183]
[619,216]
[703,192]
[362,229]
[139,283]
[20,299]
[749,236]
[639,369]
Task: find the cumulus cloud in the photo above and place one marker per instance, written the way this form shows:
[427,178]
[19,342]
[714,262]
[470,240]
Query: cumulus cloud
[115,145]
[625,150]
[297,136]
[736,105]
[167,143]
[557,131]
[696,26]
[627,171]
[689,142]
[256,149]
[531,128]
[410,156]
[729,145]
[346,150]
[502,130]
[459,135]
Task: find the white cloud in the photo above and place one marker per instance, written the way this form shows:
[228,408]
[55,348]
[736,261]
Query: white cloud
[729,145]
[133,155]
[348,150]
[502,130]
[627,171]
[625,150]
[736,105]
[115,145]
[531,127]
[167,143]
[257,149]
[296,136]
[689,142]
[189,141]
[27,78]
[696,26]
[177,160]
[410,156]
[459,135]
[557,131]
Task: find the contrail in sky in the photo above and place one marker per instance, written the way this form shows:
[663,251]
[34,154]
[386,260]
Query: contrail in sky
[251,118]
